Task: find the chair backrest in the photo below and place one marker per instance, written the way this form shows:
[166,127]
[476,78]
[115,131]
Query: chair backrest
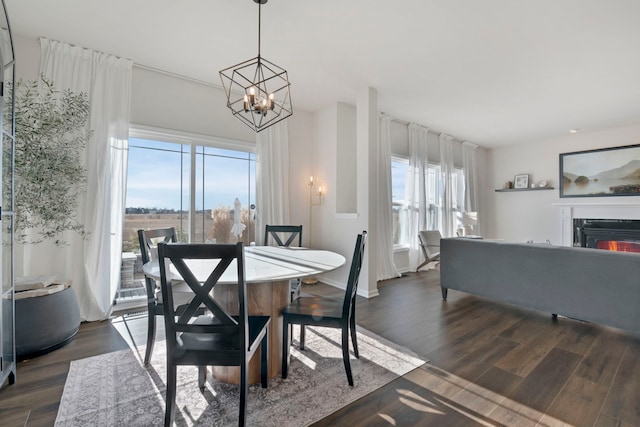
[290,233]
[354,275]
[149,239]
[179,320]
[430,242]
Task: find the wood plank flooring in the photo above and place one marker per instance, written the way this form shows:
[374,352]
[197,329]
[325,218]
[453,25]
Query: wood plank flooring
[490,364]
[494,364]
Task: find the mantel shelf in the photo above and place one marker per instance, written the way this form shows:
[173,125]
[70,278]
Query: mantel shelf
[507,190]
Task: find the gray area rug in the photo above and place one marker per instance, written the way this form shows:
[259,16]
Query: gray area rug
[115,389]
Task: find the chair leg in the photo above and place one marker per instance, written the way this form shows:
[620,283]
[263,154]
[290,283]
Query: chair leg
[202,377]
[171,395]
[345,354]
[243,393]
[151,336]
[285,347]
[302,334]
[352,327]
[264,360]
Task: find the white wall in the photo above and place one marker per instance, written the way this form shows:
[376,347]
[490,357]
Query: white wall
[532,215]
[301,135]
[166,101]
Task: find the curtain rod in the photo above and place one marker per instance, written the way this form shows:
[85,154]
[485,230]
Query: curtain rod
[404,122]
[176,75]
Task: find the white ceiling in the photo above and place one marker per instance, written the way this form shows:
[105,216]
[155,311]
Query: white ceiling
[495,72]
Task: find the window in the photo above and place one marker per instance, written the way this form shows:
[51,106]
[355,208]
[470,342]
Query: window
[399,201]
[400,174]
[157,192]
[187,183]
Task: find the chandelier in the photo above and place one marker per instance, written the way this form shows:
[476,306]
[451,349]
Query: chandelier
[257,90]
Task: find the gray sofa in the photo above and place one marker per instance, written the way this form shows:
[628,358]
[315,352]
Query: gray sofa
[588,284]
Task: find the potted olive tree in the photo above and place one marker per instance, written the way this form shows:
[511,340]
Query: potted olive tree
[49,178]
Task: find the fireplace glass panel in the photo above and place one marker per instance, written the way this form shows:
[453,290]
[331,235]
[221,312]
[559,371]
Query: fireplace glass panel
[621,235]
[617,245]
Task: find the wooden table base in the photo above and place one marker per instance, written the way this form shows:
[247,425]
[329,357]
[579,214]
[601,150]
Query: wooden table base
[267,299]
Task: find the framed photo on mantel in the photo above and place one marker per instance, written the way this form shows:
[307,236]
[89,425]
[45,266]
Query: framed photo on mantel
[611,171]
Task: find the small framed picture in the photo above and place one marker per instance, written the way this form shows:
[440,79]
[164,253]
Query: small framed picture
[521,181]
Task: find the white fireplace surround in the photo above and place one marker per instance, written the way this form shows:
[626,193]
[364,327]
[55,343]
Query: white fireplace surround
[571,210]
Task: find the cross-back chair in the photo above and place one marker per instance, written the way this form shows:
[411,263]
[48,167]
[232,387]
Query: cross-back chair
[218,338]
[316,310]
[278,232]
[291,233]
[149,240]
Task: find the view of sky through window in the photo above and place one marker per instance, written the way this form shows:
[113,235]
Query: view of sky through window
[159,176]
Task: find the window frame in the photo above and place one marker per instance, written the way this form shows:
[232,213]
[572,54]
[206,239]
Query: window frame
[434,210]
[193,140]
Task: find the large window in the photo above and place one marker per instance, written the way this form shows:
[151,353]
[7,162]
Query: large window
[400,176]
[189,184]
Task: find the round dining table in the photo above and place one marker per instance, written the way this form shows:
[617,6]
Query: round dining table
[268,271]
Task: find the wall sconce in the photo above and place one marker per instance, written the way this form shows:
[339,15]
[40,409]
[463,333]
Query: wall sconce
[311,280]
[319,194]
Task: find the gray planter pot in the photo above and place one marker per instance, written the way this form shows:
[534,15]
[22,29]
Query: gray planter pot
[46,323]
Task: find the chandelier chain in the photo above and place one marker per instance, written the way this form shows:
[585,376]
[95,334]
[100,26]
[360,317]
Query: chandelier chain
[259,25]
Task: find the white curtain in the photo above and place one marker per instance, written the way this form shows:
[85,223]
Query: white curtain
[417,188]
[93,264]
[446,168]
[272,178]
[385,268]
[469,151]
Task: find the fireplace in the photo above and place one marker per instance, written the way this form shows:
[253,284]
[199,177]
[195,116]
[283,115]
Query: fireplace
[610,234]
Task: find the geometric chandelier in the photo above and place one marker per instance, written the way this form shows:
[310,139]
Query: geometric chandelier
[257,90]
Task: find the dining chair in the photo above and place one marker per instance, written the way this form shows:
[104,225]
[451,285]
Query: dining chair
[429,241]
[278,232]
[316,310]
[219,338]
[148,244]
[289,232]
[149,240]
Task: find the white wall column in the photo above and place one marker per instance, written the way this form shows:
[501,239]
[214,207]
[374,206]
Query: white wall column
[367,174]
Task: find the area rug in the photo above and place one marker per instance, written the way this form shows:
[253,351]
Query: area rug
[115,389]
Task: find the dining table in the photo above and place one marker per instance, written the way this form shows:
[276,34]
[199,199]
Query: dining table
[268,272]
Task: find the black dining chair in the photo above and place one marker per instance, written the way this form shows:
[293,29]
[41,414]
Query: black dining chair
[218,338]
[316,310]
[277,233]
[149,240]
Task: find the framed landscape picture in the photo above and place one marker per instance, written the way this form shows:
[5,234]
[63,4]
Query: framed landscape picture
[611,171]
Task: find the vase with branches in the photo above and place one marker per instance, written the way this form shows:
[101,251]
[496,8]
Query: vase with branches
[51,135]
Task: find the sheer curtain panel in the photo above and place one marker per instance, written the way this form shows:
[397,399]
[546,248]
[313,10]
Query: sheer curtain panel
[446,169]
[417,188]
[469,153]
[386,268]
[272,177]
[92,263]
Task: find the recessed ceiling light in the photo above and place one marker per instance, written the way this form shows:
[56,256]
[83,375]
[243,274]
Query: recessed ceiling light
[573,130]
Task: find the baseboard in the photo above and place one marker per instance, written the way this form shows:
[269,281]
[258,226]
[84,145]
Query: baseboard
[362,292]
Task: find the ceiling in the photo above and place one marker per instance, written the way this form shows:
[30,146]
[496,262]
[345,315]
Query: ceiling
[494,72]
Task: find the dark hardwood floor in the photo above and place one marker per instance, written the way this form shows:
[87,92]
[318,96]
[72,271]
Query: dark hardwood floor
[490,364]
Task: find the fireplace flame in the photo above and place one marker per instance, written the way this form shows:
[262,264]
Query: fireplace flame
[619,245]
